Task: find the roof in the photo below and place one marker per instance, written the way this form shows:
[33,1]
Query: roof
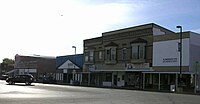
[36,56]
[76,59]
[138,27]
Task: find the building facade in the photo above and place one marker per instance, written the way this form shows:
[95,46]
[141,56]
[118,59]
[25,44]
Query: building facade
[39,66]
[69,69]
[140,57]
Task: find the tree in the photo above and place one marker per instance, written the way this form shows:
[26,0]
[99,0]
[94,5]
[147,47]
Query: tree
[8,61]
[7,65]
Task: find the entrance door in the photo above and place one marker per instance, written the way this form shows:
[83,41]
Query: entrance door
[65,77]
[115,80]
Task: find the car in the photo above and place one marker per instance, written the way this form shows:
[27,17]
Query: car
[4,77]
[27,79]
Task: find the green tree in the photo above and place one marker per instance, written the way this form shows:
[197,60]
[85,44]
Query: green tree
[8,61]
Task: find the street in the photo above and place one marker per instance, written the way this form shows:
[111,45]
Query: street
[64,94]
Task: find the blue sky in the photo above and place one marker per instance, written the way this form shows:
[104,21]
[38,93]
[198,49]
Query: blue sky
[52,27]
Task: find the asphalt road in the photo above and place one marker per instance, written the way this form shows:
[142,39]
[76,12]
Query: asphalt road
[63,94]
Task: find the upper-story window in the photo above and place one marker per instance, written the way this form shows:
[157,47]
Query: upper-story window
[89,56]
[100,55]
[111,53]
[138,49]
[124,52]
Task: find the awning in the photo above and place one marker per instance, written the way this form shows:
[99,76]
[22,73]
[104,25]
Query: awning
[121,70]
[154,72]
[11,71]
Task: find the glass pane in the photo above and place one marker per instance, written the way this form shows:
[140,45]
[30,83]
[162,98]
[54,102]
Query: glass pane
[100,55]
[91,53]
[108,54]
[91,58]
[86,56]
[113,53]
[123,54]
[141,52]
[135,52]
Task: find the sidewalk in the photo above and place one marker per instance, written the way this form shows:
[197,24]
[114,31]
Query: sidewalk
[129,88]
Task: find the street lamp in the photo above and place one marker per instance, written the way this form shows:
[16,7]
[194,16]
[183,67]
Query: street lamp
[74,71]
[74,48]
[180,50]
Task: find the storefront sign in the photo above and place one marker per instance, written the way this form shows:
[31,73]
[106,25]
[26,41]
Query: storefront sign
[92,67]
[137,66]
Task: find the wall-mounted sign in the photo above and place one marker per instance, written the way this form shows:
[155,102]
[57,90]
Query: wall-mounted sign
[92,67]
[166,53]
[166,60]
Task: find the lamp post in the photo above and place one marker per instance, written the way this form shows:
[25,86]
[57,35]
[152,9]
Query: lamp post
[74,71]
[74,48]
[180,50]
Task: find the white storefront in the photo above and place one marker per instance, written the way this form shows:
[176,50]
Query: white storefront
[166,54]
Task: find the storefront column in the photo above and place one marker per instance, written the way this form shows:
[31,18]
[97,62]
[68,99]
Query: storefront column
[176,82]
[98,80]
[143,81]
[159,81]
[80,78]
[88,79]
[195,83]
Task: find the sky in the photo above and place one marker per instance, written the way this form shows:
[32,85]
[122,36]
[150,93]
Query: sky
[52,27]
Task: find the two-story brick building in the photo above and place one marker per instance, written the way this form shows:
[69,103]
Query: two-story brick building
[131,57]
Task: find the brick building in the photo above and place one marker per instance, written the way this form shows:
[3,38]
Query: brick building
[38,66]
[132,57]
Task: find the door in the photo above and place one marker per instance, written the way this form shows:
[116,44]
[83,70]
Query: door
[115,80]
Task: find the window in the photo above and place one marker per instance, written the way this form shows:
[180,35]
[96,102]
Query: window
[70,65]
[138,51]
[111,53]
[107,54]
[124,54]
[89,56]
[134,52]
[108,77]
[100,55]
[141,52]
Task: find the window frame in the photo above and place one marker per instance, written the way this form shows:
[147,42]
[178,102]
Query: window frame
[111,53]
[89,56]
[140,51]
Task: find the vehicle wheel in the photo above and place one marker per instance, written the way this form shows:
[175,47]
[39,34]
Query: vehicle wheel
[10,82]
[27,83]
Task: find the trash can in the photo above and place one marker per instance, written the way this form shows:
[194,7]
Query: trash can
[172,88]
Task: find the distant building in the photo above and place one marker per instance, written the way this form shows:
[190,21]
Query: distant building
[38,66]
[5,68]
[69,68]
[142,57]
